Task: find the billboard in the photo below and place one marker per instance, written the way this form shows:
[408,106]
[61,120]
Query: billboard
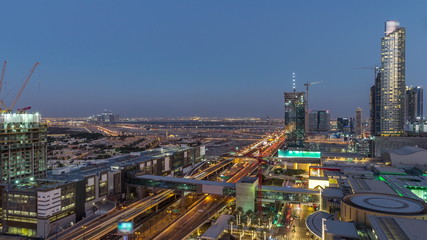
[125,228]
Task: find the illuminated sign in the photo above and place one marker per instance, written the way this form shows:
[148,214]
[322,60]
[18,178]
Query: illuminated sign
[125,228]
[298,154]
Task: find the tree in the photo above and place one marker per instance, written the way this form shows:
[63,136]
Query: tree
[249,215]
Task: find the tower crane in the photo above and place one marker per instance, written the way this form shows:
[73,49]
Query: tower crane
[307,84]
[23,87]
[3,70]
[2,74]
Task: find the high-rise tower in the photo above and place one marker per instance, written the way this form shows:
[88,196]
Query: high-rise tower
[375,106]
[23,148]
[413,104]
[295,117]
[358,122]
[392,83]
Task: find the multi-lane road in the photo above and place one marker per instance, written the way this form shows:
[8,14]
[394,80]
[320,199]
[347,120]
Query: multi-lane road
[98,228]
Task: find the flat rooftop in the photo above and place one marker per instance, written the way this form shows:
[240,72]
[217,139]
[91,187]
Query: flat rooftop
[405,185]
[384,203]
[217,229]
[370,186]
[248,180]
[341,229]
[119,161]
[387,170]
[398,228]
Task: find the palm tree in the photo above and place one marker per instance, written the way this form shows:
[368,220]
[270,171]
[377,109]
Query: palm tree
[249,215]
[239,212]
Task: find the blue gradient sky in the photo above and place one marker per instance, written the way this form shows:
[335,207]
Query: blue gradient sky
[200,58]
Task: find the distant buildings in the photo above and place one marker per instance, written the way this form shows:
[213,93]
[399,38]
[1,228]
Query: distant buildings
[319,120]
[392,82]
[105,117]
[345,125]
[358,127]
[375,106]
[23,148]
[295,117]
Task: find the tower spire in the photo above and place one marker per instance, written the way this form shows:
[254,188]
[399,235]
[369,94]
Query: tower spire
[293,81]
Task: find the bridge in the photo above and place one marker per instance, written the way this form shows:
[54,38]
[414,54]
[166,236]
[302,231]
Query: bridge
[269,193]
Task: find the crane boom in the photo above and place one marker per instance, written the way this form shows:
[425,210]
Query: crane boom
[307,84]
[2,74]
[23,86]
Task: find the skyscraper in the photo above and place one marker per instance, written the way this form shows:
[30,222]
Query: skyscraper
[358,128]
[295,117]
[375,106]
[23,148]
[392,83]
[413,104]
[319,120]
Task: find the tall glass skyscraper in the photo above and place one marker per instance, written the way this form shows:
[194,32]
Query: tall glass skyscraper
[414,104]
[295,117]
[392,84]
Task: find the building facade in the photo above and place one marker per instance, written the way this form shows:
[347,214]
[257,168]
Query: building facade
[23,148]
[375,106]
[319,120]
[413,104]
[295,117]
[392,84]
[358,122]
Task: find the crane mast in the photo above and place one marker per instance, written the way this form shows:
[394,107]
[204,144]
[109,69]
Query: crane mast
[307,84]
[3,70]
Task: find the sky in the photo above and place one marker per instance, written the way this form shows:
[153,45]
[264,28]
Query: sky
[200,58]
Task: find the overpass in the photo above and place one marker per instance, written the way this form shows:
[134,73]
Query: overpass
[269,193]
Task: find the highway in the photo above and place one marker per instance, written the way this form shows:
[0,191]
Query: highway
[98,228]
[194,217]
[212,203]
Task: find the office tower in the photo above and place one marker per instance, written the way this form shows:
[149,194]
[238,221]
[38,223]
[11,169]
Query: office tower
[295,117]
[392,84]
[413,104]
[358,129]
[23,148]
[375,106]
[343,124]
[319,120]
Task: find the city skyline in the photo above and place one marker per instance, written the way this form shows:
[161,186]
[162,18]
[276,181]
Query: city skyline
[176,60]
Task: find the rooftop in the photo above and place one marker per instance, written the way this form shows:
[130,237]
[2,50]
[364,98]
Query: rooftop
[341,229]
[385,203]
[248,180]
[216,229]
[370,186]
[398,228]
[120,161]
[407,150]
[314,222]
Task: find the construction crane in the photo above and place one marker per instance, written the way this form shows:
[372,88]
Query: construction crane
[23,87]
[307,84]
[3,70]
[24,109]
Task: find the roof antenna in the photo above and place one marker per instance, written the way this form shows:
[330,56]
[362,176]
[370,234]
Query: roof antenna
[293,82]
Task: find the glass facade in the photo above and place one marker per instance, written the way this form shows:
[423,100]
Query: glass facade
[392,84]
[413,104]
[295,117]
